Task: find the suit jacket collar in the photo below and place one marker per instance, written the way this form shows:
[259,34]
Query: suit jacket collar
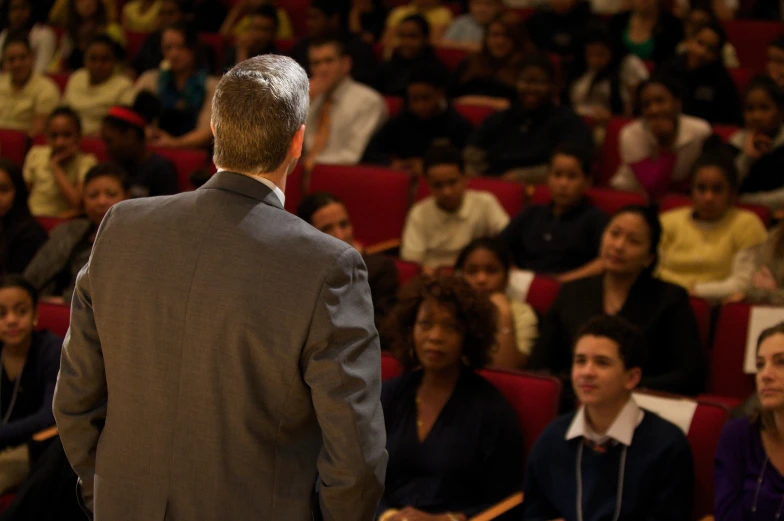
[242,185]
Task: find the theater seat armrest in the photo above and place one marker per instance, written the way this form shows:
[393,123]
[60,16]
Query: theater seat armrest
[45,434]
[499,508]
[382,246]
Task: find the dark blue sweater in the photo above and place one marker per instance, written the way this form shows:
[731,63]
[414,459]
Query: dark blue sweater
[658,481]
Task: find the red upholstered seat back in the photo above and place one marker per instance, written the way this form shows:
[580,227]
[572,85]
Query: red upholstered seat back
[725,372]
[54,317]
[13,145]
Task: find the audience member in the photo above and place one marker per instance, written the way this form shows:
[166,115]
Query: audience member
[441,225]
[86,19]
[54,268]
[562,237]
[122,131]
[412,52]
[628,289]
[55,172]
[30,363]
[328,214]
[708,248]
[648,31]
[438,16]
[698,16]
[366,19]
[42,38]
[238,19]
[710,92]
[343,114]
[659,149]
[748,482]
[518,142]
[454,442]
[760,144]
[602,80]
[140,15]
[426,119]
[26,97]
[556,27]
[489,77]
[723,9]
[58,14]
[20,234]
[766,286]
[257,37]
[184,89]
[485,264]
[92,90]
[630,463]
[467,31]
[206,16]
[775,65]
[150,55]
[324,21]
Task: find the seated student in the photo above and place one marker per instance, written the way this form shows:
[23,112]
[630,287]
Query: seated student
[647,30]
[708,248]
[556,28]
[747,476]
[140,15]
[92,90]
[149,174]
[28,374]
[26,97]
[54,268]
[698,16]
[659,149]
[344,114]
[454,442]
[437,15]
[184,89]
[760,144]
[562,237]
[630,463]
[427,119]
[766,286]
[257,37]
[710,92]
[775,65]
[467,31]
[517,143]
[325,21]
[55,172]
[86,19]
[366,19]
[441,225]
[20,234]
[413,51]
[150,55]
[59,12]
[627,288]
[42,38]
[328,214]
[602,80]
[489,77]
[238,19]
[485,265]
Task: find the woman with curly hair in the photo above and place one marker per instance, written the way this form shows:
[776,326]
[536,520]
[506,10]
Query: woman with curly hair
[454,443]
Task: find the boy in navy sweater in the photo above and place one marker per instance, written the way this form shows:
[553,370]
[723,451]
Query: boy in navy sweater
[610,460]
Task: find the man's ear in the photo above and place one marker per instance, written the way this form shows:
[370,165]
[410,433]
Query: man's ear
[297,142]
[633,377]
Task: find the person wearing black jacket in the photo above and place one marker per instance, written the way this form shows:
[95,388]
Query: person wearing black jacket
[20,234]
[648,31]
[710,93]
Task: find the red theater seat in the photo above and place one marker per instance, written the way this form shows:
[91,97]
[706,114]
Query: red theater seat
[672,201]
[406,271]
[186,161]
[133,44]
[54,317]
[451,58]
[725,371]
[49,223]
[741,77]
[702,313]
[606,199]
[751,39]
[704,434]
[510,194]
[13,145]
[476,114]
[725,132]
[294,188]
[394,105]
[542,293]
[60,79]
[376,198]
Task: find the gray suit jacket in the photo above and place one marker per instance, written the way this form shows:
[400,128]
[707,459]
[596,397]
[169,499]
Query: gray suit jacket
[221,354]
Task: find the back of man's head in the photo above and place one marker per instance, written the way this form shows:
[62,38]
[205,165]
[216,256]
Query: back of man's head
[258,107]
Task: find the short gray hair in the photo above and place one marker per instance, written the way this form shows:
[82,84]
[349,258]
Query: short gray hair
[258,107]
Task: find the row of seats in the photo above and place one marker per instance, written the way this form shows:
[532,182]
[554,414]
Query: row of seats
[535,414]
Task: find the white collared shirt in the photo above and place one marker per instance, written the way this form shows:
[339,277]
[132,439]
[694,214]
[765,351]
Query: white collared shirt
[621,430]
[272,186]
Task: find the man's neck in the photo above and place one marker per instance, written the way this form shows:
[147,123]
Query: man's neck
[600,417]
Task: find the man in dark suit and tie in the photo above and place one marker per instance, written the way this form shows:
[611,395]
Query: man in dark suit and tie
[222,361]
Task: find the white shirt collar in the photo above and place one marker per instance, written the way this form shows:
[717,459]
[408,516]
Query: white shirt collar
[272,186]
[621,430]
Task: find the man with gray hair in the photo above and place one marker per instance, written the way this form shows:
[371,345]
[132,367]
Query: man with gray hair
[222,362]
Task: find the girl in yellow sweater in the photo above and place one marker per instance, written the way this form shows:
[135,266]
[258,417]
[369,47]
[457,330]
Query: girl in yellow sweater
[708,247]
